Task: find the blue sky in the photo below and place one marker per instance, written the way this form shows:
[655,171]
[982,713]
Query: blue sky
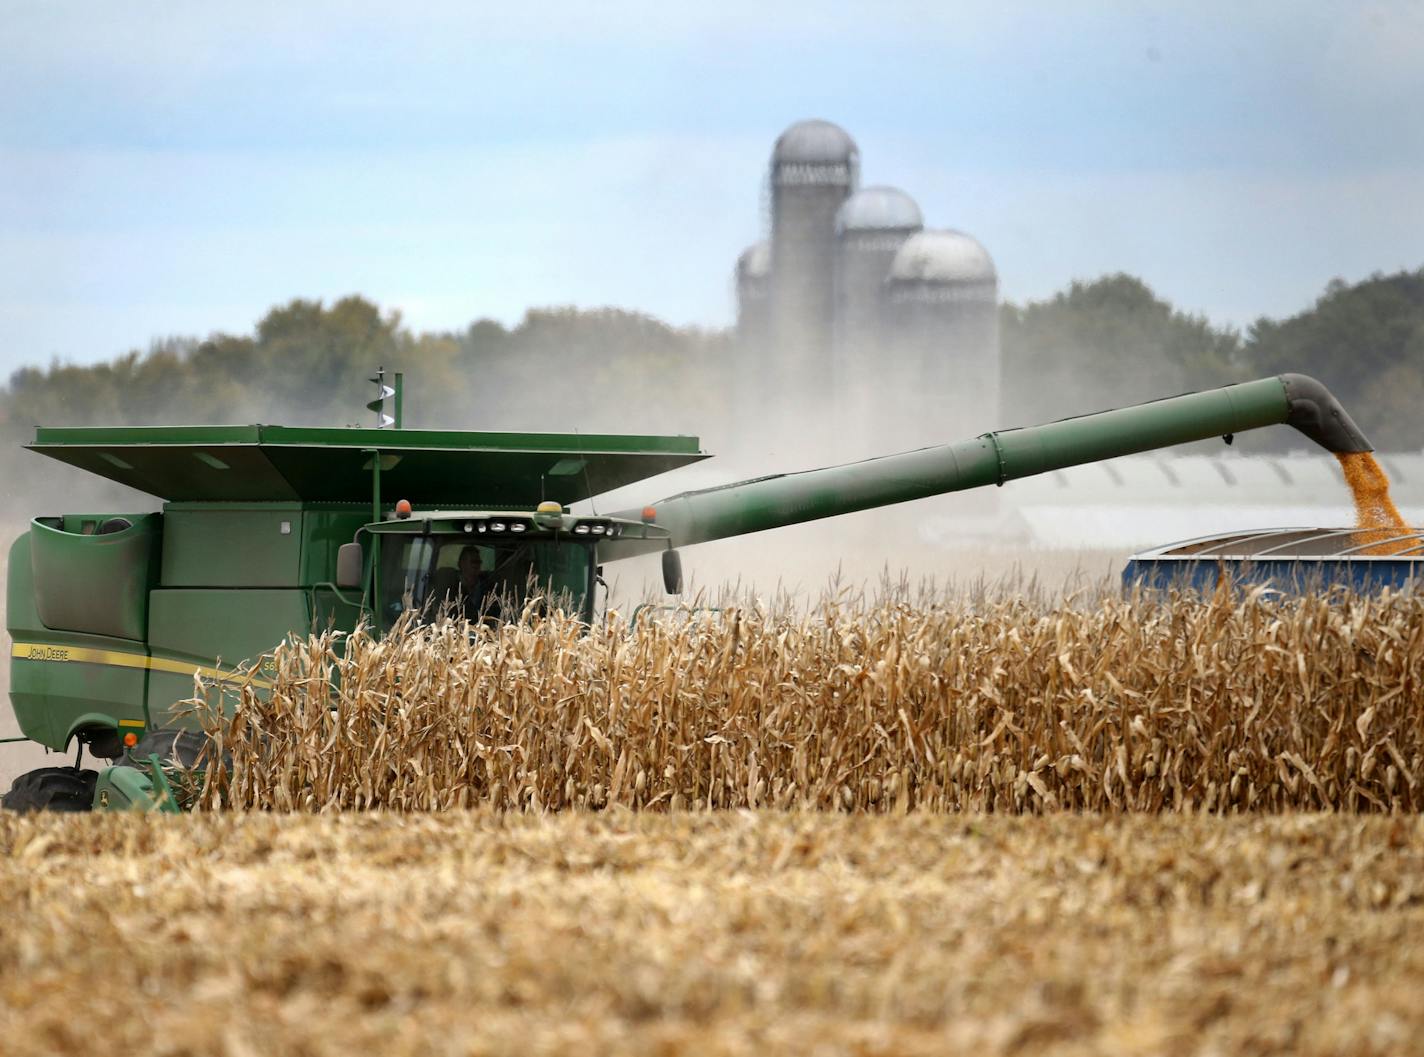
[178,169]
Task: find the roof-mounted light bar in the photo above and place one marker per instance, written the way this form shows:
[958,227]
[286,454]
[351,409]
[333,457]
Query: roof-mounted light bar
[505,525]
[498,526]
[597,527]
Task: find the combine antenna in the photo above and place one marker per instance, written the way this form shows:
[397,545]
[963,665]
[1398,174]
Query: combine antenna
[378,405]
[587,484]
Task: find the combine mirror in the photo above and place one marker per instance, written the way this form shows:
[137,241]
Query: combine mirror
[348,565]
[672,572]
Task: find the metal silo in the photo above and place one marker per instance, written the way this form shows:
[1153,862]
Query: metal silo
[942,304]
[753,294]
[745,382]
[871,227]
[815,166]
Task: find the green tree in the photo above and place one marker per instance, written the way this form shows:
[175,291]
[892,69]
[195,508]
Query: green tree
[1105,343]
[1366,342]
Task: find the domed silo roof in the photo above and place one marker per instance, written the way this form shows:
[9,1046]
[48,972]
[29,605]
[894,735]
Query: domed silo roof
[879,209]
[815,142]
[943,256]
[753,278]
[755,261]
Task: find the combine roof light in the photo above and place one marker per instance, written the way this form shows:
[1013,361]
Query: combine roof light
[650,514]
[598,530]
[483,527]
[518,526]
[548,506]
[580,530]
[469,526]
[402,508]
[497,526]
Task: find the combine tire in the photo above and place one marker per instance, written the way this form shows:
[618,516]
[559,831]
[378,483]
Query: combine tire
[52,789]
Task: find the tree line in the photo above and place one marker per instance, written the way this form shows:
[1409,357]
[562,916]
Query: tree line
[1097,344]
[1113,341]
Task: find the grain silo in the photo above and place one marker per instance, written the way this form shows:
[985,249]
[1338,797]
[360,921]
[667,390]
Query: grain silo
[814,168]
[942,301]
[745,380]
[871,227]
[753,294]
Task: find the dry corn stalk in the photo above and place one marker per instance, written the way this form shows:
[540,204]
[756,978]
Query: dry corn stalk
[1010,706]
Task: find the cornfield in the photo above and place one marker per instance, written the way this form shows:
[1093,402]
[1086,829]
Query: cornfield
[1009,706]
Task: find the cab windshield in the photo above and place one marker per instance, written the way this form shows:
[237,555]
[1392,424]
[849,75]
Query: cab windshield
[487,581]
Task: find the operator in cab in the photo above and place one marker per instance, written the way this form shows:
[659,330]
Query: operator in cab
[465,590]
[477,597]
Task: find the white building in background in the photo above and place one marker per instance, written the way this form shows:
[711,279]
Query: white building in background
[1145,500]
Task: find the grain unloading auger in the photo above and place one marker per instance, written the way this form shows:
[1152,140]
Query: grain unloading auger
[268,531]
[997,458]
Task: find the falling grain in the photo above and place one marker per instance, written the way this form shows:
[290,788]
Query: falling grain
[1375,512]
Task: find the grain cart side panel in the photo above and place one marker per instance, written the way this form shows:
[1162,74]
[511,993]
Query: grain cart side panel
[212,631]
[77,611]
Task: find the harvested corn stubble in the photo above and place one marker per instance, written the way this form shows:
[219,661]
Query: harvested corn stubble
[710,934]
[1014,706]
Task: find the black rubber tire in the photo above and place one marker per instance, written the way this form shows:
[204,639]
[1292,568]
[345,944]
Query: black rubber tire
[67,789]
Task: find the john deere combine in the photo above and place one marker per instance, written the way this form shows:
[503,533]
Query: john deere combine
[269,530]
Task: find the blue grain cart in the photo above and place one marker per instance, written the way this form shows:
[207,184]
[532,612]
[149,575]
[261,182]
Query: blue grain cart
[1292,561]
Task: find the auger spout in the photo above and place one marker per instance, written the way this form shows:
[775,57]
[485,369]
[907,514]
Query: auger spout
[1316,413]
[999,457]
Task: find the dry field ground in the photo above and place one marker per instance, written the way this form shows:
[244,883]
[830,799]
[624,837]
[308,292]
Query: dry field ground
[711,933]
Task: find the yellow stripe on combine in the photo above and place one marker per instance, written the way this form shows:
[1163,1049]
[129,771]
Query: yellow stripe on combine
[62,652]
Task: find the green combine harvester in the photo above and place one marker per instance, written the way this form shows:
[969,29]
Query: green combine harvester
[267,531]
